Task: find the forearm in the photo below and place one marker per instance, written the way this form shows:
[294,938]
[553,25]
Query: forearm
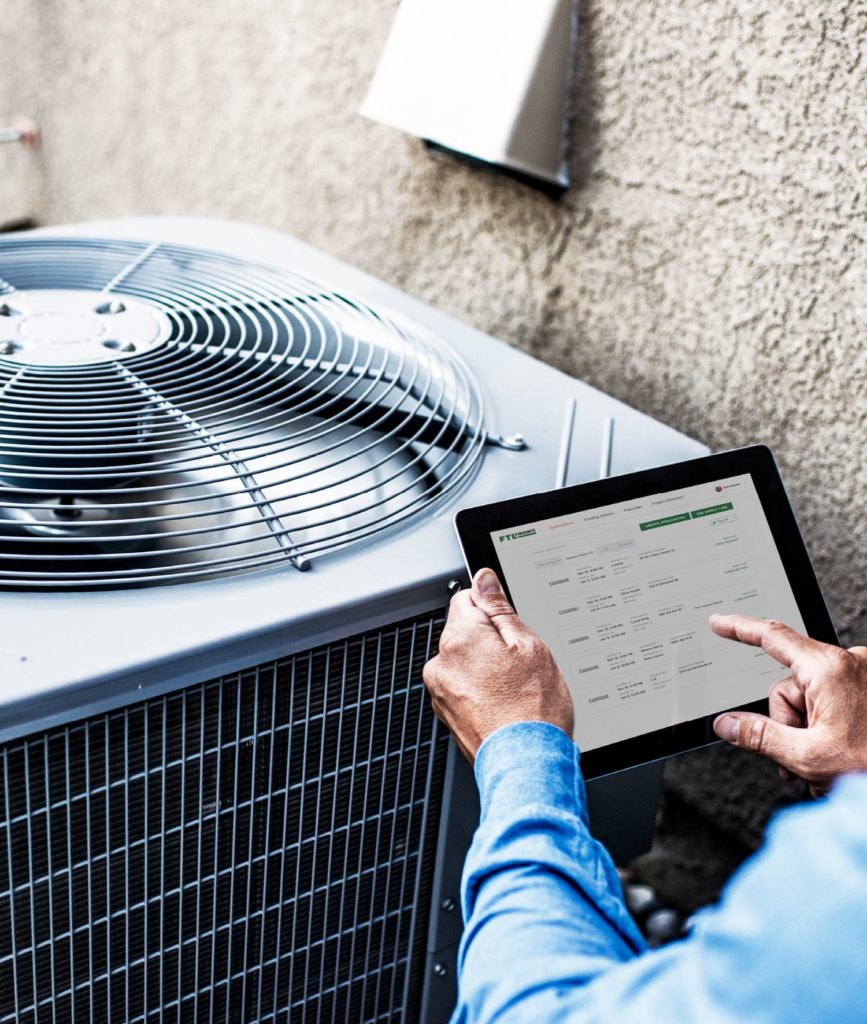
[542,900]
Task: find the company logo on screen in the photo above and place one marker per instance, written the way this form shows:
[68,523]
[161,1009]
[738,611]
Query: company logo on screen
[517,536]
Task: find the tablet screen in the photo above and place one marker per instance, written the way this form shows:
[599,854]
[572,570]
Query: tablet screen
[622,594]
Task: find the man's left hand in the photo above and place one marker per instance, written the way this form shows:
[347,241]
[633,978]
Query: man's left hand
[492,670]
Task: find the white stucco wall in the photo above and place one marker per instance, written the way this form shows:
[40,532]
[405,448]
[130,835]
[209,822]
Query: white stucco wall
[709,267]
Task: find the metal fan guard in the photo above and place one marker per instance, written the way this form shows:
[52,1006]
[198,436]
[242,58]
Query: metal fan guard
[170,414]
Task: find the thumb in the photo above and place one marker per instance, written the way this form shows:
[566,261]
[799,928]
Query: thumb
[489,597]
[762,735]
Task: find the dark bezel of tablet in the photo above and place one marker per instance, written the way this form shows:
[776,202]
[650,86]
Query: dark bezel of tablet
[475,526]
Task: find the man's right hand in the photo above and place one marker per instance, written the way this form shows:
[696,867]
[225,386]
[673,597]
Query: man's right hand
[817,729]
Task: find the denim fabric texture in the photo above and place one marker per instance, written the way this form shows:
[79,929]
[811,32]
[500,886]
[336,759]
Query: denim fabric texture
[548,939]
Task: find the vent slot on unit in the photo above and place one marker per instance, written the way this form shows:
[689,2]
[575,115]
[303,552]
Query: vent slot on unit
[170,414]
[255,848]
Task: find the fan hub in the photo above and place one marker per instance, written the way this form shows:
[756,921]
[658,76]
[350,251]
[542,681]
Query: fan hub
[60,328]
[42,327]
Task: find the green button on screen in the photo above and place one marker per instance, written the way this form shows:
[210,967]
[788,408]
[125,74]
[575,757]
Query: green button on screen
[711,510]
[652,524]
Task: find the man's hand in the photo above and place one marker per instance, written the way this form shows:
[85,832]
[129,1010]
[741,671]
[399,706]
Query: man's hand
[492,670]
[818,724]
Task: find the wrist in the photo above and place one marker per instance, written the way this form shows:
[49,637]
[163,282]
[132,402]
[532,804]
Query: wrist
[494,719]
[530,763]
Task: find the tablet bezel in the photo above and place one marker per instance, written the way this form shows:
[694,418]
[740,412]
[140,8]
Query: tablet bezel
[474,527]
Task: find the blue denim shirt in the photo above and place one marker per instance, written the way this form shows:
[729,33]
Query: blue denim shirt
[548,939]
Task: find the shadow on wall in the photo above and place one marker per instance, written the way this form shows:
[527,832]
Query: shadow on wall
[18,224]
[584,124]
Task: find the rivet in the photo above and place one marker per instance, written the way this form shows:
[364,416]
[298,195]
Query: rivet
[440,970]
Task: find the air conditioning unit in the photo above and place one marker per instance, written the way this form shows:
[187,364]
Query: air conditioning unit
[229,465]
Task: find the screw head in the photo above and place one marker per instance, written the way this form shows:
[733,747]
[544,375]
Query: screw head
[511,442]
[7,348]
[113,306]
[440,970]
[448,903]
[7,310]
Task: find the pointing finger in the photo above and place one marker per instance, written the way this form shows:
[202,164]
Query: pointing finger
[781,642]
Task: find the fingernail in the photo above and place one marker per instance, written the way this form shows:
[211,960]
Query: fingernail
[488,583]
[726,728]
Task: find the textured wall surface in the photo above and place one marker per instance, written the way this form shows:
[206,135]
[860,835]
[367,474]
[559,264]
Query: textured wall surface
[708,267]
[21,181]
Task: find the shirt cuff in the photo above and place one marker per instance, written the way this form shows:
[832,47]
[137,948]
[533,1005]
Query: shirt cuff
[549,775]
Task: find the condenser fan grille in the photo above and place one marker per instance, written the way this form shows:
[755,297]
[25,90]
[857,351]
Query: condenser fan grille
[171,414]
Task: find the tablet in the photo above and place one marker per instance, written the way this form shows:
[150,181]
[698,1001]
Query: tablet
[619,577]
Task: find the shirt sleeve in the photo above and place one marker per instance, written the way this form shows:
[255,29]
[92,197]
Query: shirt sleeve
[542,901]
[548,939]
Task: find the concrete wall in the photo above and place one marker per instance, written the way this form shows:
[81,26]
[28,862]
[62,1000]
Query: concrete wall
[21,180]
[708,267]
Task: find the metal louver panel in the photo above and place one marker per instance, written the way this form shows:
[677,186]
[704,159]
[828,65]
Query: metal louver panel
[170,414]
[253,848]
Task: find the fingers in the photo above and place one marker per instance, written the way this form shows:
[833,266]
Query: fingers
[490,598]
[463,612]
[437,688]
[782,643]
[788,704]
[781,743]
[477,612]
[463,621]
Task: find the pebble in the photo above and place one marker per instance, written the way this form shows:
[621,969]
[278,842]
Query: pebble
[658,923]
[662,926]
[640,899]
